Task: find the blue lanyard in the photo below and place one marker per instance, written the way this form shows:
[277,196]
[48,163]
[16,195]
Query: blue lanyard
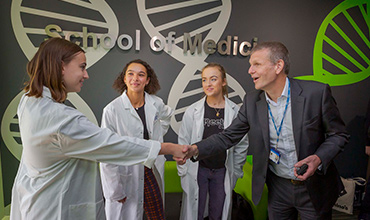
[278,131]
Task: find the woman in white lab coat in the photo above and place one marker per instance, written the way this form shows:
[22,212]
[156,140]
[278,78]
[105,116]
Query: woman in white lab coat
[192,130]
[58,176]
[123,186]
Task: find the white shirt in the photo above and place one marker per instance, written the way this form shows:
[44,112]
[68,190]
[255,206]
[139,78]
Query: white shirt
[286,145]
[58,177]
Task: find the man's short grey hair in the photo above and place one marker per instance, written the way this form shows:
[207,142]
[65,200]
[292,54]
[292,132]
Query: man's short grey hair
[277,51]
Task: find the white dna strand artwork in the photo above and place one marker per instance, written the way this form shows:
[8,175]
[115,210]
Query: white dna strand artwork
[190,74]
[67,13]
[98,15]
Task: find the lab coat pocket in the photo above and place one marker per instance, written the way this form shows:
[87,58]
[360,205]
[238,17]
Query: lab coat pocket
[158,130]
[127,184]
[87,211]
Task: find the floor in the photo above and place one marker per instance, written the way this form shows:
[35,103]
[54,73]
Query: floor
[343,216]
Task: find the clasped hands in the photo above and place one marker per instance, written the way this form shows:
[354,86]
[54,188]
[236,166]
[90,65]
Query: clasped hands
[180,152]
[187,152]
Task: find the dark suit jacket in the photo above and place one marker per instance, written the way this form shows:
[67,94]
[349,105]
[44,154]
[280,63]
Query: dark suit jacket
[317,127]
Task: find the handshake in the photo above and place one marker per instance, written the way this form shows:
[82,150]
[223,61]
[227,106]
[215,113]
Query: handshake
[180,152]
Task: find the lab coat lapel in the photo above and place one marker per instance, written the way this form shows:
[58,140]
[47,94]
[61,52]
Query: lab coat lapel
[128,107]
[199,119]
[150,113]
[229,112]
[263,119]
[229,116]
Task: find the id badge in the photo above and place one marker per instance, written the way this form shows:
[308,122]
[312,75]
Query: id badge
[274,156]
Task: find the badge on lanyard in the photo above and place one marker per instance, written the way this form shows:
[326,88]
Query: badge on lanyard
[274,156]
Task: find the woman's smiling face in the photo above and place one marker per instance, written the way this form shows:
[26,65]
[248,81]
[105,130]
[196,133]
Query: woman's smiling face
[136,77]
[74,73]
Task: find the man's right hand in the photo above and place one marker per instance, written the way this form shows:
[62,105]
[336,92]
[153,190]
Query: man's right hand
[178,151]
[192,152]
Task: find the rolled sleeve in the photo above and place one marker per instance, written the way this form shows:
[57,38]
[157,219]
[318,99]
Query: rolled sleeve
[153,153]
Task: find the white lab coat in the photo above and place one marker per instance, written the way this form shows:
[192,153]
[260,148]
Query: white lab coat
[191,131]
[128,181]
[58,176]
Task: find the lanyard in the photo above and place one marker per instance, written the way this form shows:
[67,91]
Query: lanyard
[278,131]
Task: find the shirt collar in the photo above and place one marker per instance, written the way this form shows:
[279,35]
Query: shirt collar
[283,94]
[46,92]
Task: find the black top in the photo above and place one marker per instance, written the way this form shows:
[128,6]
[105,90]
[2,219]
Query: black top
[140,111]
[213,124]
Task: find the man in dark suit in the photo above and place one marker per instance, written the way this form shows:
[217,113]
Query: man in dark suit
[289,123]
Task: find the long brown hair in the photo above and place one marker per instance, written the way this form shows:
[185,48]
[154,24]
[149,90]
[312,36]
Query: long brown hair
[45,68]
[153,85]
[223,75]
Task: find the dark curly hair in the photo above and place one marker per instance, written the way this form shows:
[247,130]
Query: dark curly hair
[153,85]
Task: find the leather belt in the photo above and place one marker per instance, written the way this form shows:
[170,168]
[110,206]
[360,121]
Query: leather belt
[296,182]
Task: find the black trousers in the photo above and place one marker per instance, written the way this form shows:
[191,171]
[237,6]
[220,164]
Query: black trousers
[286,200]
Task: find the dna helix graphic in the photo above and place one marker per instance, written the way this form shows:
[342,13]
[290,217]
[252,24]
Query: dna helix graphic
[29,35]
[342,45]
[98,15]
[182,89]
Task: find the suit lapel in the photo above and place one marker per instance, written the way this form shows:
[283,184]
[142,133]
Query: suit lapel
[263,119]
[297,105]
